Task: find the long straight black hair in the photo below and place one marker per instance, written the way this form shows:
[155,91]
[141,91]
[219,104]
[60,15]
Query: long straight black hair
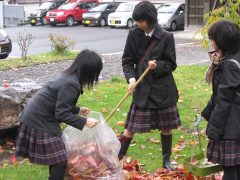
[87,65]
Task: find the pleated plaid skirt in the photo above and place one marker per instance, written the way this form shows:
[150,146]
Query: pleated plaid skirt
[142,120]
[224,152]
[39,147]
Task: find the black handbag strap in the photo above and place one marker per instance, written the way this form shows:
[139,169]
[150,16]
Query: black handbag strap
[154,42]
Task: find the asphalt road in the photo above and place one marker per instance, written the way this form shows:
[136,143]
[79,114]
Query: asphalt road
[100,39]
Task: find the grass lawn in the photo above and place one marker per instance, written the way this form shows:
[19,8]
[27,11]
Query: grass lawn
[106,95]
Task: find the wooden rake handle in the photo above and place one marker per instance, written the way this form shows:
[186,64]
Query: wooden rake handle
[123,99]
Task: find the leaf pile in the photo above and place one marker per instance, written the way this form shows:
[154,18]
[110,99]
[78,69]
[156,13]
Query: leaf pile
[134,171]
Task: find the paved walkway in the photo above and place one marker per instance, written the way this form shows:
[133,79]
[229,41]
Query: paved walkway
[186,55]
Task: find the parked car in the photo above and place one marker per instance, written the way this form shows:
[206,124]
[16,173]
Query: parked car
[98,14]
[5,44]
[69,12]
[171,15]
[123,15]
[39,15]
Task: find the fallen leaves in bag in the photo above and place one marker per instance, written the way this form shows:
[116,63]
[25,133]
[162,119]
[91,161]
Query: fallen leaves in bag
[85,162]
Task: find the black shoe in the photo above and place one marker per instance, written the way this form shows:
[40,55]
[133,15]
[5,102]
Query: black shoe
[166,151]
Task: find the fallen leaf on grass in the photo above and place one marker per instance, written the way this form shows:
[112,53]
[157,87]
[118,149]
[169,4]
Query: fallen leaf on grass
[103,110]
[107,84]
[133,144]
[143,147]
[5,164]
[118,134]
[154,141]
[122,123]
[179,92]
[13,159]
[194,120]
[192,143]
[181,142]
[188,117]
[99,92]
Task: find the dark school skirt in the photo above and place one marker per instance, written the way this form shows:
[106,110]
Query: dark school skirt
[224,152]
[39,147]
[142,120]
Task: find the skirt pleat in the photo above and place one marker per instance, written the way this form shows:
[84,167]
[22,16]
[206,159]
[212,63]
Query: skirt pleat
[39,147]
[142,120]
[224,152]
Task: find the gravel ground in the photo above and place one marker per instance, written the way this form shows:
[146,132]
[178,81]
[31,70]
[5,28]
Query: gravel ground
[186,55]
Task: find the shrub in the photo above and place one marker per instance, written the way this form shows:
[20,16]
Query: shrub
[228,11]
[24,40]
[61,43]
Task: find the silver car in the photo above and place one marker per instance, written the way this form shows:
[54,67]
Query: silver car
[171,15]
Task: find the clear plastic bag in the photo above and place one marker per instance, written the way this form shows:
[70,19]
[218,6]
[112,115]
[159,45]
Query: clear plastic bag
[92,152]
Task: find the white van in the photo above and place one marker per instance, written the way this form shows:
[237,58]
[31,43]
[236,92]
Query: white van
[123,15]
[171,15]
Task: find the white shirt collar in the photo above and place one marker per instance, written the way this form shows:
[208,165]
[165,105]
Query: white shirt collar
[151,33]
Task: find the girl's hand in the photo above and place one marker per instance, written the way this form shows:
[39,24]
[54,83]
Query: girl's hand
[84,111]
[130,90]
[91,122]
[152,65]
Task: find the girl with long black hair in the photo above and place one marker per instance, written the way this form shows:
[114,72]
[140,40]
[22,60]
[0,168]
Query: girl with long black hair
[39,136]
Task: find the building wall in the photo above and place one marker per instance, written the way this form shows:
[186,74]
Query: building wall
[28,8]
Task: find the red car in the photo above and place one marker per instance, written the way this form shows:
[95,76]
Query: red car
[69,12]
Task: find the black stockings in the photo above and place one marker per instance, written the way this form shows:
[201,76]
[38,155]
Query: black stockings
[231,172]
[57,171]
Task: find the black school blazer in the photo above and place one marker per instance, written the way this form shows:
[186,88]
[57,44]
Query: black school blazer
[158,88]
[53,104]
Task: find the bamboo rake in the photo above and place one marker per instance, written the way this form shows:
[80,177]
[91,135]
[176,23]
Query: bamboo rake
[125,97]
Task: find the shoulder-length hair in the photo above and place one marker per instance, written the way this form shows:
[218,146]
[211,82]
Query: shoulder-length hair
[145,11]
[226,36]
[87,65]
